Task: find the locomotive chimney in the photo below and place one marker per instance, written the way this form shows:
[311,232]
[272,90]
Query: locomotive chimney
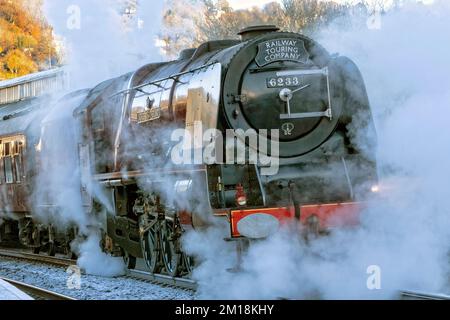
[187,54]
[255,31]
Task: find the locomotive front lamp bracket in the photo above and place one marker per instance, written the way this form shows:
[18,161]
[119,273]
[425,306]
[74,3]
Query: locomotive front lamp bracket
[287,94]
[289,116]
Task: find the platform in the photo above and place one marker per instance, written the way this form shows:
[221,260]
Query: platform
[9,292]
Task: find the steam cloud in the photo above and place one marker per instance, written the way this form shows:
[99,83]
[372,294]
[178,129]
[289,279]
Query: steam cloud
[95,262]
[101,41]
[406,230]
[100,46]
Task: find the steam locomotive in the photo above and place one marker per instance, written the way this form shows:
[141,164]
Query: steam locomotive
[281,95]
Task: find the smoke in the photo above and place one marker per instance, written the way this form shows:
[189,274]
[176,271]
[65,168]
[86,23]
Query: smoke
[102,39]
[95,262]
[405,231]
[105,38]
[57,187]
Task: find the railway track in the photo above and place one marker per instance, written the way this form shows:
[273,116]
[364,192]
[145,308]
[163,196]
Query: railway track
[56,261]
[36,292]
[416,295]
[162,279]
[159,279]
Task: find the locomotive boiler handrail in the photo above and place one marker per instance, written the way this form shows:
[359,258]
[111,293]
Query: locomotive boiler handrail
[172,77]
[323,71]
[153,92]
[261,187]
[115,177]
[347,176]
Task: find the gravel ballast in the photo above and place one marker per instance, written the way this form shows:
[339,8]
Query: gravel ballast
[91,287]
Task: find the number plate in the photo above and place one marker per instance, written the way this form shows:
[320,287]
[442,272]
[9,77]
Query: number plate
[149,115]
[283,82]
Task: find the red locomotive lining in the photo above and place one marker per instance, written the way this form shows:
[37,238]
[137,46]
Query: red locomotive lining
[185,218]
[329,215]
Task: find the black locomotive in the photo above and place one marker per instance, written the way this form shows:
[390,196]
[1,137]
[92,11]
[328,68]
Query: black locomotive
[300,117]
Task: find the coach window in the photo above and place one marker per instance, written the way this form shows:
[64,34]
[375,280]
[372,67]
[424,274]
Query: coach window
[8,166]
[18,163]
[2,172]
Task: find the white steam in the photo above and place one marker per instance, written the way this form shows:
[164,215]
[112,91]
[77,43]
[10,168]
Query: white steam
[406,231]
[101,41]
[57,197]
[94,261]
[102,38]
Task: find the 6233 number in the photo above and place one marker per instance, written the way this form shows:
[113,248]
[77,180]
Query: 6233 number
[283,82]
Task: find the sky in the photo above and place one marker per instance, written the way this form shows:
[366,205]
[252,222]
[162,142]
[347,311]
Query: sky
[240,4]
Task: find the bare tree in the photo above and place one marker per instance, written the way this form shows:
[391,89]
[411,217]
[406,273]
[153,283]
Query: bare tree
[187,23]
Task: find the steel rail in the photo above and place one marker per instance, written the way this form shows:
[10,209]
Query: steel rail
[417,295]
[159,279]
[163,279]
[36,292]
[62,262]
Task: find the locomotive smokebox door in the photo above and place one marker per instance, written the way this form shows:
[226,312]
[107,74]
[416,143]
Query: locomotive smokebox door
[285,82]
